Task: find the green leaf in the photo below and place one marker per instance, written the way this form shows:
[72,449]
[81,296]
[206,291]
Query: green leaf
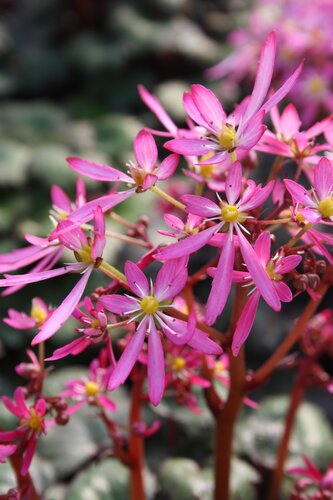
[14,161]
[183,479]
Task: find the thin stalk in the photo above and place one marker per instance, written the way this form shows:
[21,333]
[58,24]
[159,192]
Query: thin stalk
[136,443]
[112,272]
[299,235]
[296,399]
[25,483]
[277,165]
[168,198]
[41,356]
[122,221]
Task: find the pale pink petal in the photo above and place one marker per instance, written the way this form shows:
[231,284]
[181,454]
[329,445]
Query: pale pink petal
[201,342]
[190,147]
[171,279]
[167,167]
[249,135]
[71,235]
[209,107]
[63,312]
[258,196]
[283,291]
[177,331]
[287,264]
[29,453]
[258,273]
[19,320]
[6,450]
[99,234]
[155,106]
[198,205]
[136,279]
[98,171]
[17,279]
[60,199]
[311,214]
[145,150]
[283,91]
[299,193]
[107,403]
[290,121]
[263,76]
[323,178]
[262,247]
[233,183]
[189,245]
[156,370]
[118,304]
[128,357]
[222,281]
[81,194]
[149,181]
[23,257]
[174,222]
[245,323]
[74,348]
[218,158]
[192,110]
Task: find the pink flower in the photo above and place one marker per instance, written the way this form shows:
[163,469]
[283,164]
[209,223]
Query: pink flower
[323,480]
[182,229]
[31,424]
[274,269]
[5,451]
[88,255]
[238,133]
[90,390]
[144,174]
[21,321]
[232,214]
[147,308]
[318,204]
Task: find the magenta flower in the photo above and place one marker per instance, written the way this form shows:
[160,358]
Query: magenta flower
[318,204]
[31,424]
[88,255]
[21,321]
[91,390]
[6,450]
[182,229]
[147,309]
[30,370]
[144,174]
[323,480]
[232,214]
[274,269]
[238,133]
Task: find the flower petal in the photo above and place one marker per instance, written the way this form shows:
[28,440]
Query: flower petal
[167,167]
[156,370]
[118,304]
[287,264]
[245,323]
[283,291]
[262,247]
[323,178]
[98,171]
[190,147]
[137,280]
[233,183]
[199,205]
[155,106]
[171,279]
[299,193]
[282,91]
[209,107]
[145,150]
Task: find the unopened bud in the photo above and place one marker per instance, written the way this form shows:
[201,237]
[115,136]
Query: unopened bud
[321,267]
[314,280]
[301,282]
[62,418]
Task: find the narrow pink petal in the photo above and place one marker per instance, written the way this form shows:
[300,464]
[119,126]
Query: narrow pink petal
[29,453]
[323,178]
[299,193]
[6,450]
[192,110]
[283,91]
[201,342]
[60,199]
[190,147]
[250,134]
[311,214]
[258,196]
[145,150]
[20,402]
[149,181]
[263,77]
[156,370]
[258,273]
[81,193]
[209,107]
[73,348]
[71,235]
[290,121]
[128,357]
[283,291]
[19,320]
[6,436]
[136,279]
[98,171]
[222,281]
[171,279]
[17,279]
[118,304]
[23,257]
[233,183]
[11,407]
[262,247]
[287,264]
[107,403]
[199,381]
[174,222]
[189,245]
[177,331]
[99,234]
[63,312]
[245,323]
[155,106]
[85,213]
[167,167]
[198,205]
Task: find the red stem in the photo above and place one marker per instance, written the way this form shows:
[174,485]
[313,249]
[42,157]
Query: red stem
[136,444]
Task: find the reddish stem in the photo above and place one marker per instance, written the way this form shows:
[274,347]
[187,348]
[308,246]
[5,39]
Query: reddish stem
[25,483]
[136,444]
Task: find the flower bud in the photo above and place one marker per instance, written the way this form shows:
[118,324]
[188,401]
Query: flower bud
[62,418]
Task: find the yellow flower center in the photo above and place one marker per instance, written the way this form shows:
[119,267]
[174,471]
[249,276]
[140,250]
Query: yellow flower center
[91,388]
[316,85]
[178,363]
[206,170]
[39,314]
[84,255]
[219,367]
[227,137]
[270,271]
[325,207]
[229,213]
[95,323]
[149,304]
[35,422]
[299,217]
